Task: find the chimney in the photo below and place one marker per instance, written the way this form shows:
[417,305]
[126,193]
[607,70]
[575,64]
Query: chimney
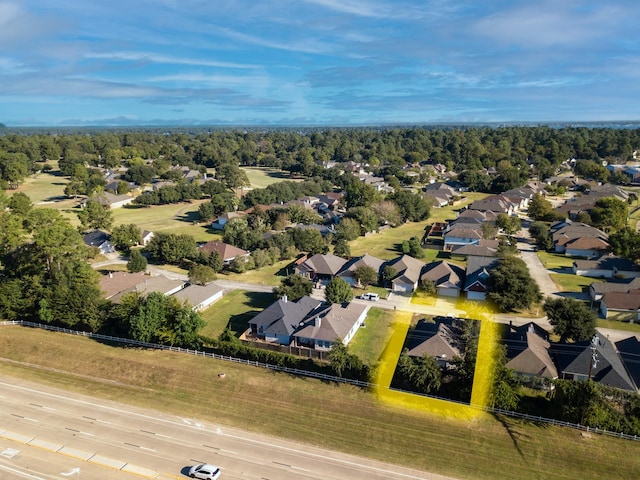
[318,321]
[110,274]
[284,299]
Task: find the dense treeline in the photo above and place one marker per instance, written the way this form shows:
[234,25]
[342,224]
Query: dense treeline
[305,153]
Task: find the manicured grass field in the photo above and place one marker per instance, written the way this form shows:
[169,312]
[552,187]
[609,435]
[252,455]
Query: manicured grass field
[44,187]
[271,275]
[555,261]
[624,326]
[261,177]
[567,282]
[234,309]
[352,419]
[369,342]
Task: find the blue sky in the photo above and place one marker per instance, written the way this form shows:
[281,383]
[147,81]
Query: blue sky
[317,62]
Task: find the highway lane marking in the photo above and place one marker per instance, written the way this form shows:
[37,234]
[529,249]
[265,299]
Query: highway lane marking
[25,418]
[320,457]
[20,472]
[80,431]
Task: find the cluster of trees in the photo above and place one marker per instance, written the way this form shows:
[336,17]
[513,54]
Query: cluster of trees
[424,375]
[45,277]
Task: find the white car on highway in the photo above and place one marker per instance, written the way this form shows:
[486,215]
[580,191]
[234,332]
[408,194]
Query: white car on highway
[205,471]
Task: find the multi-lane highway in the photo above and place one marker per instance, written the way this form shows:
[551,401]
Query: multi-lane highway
[47,433]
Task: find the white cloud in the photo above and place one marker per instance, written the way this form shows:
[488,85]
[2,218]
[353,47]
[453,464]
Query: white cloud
[152,57]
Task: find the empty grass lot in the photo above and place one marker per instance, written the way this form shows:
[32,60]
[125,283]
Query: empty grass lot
[262,177]
[234,309]
[278,404]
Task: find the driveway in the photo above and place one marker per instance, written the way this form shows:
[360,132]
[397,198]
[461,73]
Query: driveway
[537,270]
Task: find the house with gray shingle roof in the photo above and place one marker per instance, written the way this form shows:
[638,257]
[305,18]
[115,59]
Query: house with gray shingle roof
[228,253]
[575,362]
[447,277]
[528,355]
[408,271]
[440,339]
[477,275]
[319,267]
[281,319]
[622,306]
[199,297]
[365,260]
[598,289]
[608,266]
[333,323]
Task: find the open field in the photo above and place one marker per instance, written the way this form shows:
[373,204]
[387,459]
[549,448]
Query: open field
[261,177]
[386,244]
[352,420]
[567,282]
[555,261]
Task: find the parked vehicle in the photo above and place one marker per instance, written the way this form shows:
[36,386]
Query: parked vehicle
[374,297]
[205,471]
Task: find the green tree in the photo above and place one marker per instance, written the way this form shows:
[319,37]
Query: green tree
[571,319]
[171,247]
[137,262]
[20,204]
[504,393]
[511,287]
[201,274]
[123,237]
[540,208]
[338,290]
[294,286]
[342,248]
[345,364]
[412,247]
[348,229]
[540,232]
[426,374]
[610,213]
[232,176]
[625,243]
[95,216]
[508,223]
[365,275]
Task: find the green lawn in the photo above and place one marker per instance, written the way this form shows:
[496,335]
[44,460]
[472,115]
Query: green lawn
[281,405]
[271,275]
[261,177]
[624,326]
[369,342]
[567,282]
[555,261]
[234,309]
[44,187]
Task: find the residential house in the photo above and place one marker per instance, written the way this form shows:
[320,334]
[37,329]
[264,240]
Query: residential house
[224,218]
[109,200]
[587,247]
[365,260]
[146,237]
[99,239]
[407,273]
[441,340]
[228,253]
[199,297]
[567,231]
[462,236]
[629,350]
[484,248]
[333,323]
[477,275]
[575,361]
[497,204]
[528,355]
[447,277]
[622,306]
[598,289]
[281,319]
[319,267]
[118,284]
[608,266]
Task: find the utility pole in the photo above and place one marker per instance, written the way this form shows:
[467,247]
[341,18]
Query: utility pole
[594,354]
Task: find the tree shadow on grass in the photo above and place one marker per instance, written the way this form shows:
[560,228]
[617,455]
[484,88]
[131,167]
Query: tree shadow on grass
[190,217]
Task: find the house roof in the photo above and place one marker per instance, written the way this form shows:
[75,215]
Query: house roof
[95,238]
[226,251]
[622,300]
[443,274]
[332,323]
[464,232]
[576,359]
[365,260]
[407,267]
[482,249]
[149,284]
[578,230]
[587,243]
[283,317]
[115,282]
[528,351]
[629,351]
[323,264]
[478,269]
[194,294]
[607,262]
[604,287]
[440,340]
